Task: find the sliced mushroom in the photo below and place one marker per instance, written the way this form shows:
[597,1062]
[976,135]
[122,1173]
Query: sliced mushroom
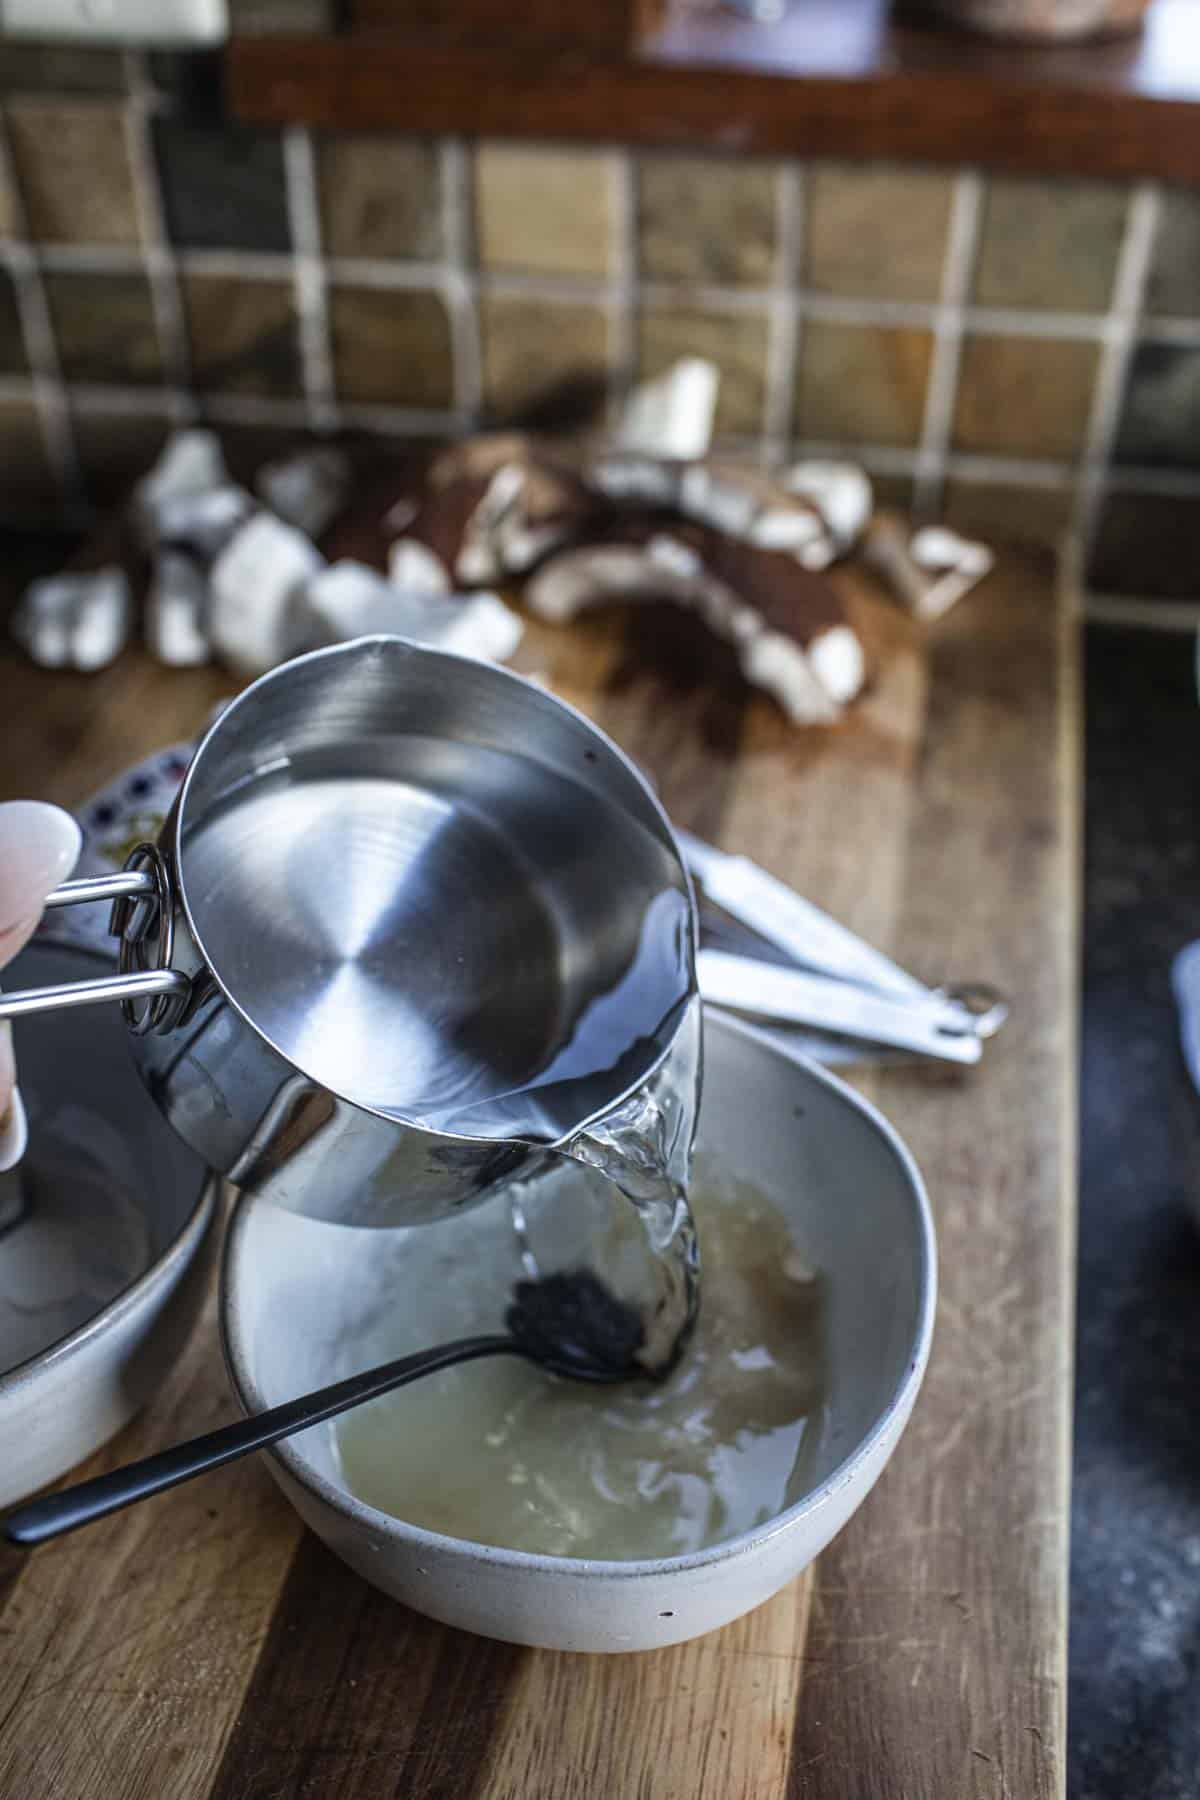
[202,524]
[176,611]
[742,502]
[628,478]
[413,568]
[307,489]
[495,520]
[348,600]
[789,628]
[77,620]
[673,415]
[190,464]
[842,494]
[928,571]
[256,614]
[483,627]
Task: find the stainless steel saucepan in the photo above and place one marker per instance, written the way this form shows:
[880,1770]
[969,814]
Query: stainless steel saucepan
[410,920]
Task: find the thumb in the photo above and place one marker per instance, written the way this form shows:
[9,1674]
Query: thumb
[38,847]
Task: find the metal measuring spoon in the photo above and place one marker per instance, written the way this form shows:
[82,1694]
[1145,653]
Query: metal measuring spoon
[570,1324]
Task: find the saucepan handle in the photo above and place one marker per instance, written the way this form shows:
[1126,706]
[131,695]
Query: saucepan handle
[152,994]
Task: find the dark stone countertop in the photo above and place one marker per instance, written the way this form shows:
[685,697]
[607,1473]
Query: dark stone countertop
[1134,1689]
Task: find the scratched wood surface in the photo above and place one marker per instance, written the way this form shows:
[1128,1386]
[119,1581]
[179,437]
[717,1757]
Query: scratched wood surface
[205,1647]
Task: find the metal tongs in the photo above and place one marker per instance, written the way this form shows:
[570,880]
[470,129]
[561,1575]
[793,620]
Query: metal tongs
[835,982]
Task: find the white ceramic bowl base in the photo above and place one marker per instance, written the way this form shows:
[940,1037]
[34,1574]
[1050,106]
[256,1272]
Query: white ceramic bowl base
[295,1312]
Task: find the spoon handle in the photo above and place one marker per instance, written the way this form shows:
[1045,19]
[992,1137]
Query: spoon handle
[66,1510]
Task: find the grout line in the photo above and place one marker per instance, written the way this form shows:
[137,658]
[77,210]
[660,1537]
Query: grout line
[457,276]
[376,272]
[407,420]
[308,275]
[886,459]
[1017,472]
[88,259]
[46,388]
[242,265]
[624,290]
[1185,332]
[719,299]
[847,309]
[104,397]
[958,272]
[1128,609]
[1133,268]
[157,256]
[1002,321]
[252,409]
[90,398]
[783,340]
[1010,471]
[94,398]
[1135,478]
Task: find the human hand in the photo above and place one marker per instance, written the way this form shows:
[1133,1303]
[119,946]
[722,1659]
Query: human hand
[38,848]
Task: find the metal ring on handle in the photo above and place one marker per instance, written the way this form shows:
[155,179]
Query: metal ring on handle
[131,920]
[987,1007]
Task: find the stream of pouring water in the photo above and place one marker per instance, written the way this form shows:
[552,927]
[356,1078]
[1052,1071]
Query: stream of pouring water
[644,1147]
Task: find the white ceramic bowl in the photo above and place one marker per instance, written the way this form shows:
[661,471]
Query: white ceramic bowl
[295,1314]
[105,1252]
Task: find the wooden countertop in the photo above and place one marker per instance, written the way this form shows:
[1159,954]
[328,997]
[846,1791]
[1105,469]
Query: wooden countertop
[204,1647]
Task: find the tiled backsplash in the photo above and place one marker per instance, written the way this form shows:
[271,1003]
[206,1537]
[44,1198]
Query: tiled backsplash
[1015,355]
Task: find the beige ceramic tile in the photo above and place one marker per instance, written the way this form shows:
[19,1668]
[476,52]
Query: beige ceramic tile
[531,348]
[862,383]
[243,335]
[545,210]
[707,219]
[877,231]
[999,513]
[28,481]
[380,196]
[72,161]
[1024,396]
[1173,289]
[391,347]
[736,342]
[1050,245]
[104,327]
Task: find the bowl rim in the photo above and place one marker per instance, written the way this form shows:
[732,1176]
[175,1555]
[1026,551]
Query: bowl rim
[888,1423]
[193,1228]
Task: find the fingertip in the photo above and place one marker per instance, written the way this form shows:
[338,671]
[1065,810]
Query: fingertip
[39,846]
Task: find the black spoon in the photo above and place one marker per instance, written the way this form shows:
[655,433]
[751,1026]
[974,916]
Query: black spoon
[570,1324]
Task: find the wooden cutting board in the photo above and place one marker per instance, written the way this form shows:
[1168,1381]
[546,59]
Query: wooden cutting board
[205,1646]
